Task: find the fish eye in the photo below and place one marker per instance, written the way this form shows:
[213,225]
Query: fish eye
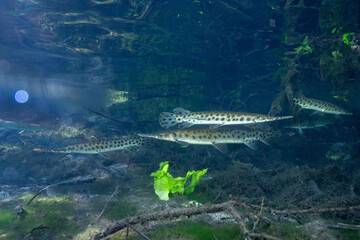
[161,136]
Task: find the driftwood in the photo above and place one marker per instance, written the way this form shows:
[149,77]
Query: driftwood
[173,213]
[213,208]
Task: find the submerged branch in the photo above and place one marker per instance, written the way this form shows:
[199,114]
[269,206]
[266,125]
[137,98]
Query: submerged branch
[213,208]
[174,213]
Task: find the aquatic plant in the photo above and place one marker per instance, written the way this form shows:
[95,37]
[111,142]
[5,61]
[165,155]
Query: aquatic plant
[164,182]
[304,49]
[347,38]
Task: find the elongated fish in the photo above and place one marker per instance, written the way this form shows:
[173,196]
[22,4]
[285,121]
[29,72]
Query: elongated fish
[318,105]
[217,137]
[311,123]
[100,146]
[185,118]
[20,126]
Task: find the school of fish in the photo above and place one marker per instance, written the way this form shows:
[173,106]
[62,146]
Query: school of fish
[215,134]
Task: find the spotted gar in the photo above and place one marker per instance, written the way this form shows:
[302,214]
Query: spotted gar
[185,118]
[100,146]
[217,137]
[320,106]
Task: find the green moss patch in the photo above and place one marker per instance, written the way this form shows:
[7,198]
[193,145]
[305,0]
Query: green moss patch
[51,216]
[5,217]
[197,231]
[118,210]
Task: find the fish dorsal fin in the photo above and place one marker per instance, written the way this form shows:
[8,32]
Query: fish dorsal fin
[182,143]
[181,111]
[222,147]
[252,145]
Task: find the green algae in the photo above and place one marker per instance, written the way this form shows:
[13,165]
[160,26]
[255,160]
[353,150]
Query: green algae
[197,231]
[350,234]
[54,215]
[5,218]
[119,209]
[284,230]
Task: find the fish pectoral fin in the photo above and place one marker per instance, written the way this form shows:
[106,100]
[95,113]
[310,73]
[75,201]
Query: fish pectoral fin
[216,126]
[317,113]
[185,125]
[104,156]
[222,147]
[252,145]
[182,143]
[265,142]
[300,132]
[180,111]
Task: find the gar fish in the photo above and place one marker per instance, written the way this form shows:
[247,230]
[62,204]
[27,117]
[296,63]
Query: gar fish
[215,137]
[20,126]
[100,146]
[311,123]
[318,105]
[185,118]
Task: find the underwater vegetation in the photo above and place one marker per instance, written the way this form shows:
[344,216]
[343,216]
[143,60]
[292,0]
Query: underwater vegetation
[164,183]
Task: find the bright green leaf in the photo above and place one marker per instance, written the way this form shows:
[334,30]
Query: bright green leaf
[164,183]
[196,175]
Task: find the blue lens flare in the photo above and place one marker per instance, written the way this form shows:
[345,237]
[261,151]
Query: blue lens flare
[21,96]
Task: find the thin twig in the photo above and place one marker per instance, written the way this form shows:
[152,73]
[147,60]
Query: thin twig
[107,203]
[103,115]
[138,232]
[259,215]
[27,204]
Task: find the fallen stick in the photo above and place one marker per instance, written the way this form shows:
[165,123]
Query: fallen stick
[138,232]
[173,213]
[295,212]
[178,212]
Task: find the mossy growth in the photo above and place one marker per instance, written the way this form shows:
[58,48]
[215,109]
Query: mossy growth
[55,215]
[119,209]
[197,231]
[350,234]
[5,217]
[286,230]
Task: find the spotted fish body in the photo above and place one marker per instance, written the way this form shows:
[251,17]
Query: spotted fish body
[186,118]
[217,137]
[318,105]
[100,146]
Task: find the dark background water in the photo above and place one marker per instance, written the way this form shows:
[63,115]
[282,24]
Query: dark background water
[62,53]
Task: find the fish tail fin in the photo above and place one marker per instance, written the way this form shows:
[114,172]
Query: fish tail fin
[167,119]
